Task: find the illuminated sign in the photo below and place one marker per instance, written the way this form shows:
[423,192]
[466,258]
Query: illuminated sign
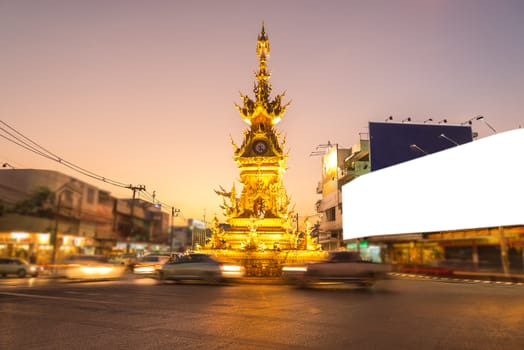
[329,171]
[474,185]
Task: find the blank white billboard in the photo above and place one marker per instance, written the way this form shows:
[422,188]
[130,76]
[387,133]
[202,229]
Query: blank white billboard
[476,185]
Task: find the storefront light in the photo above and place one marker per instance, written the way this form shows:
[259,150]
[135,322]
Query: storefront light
[19,235]
[78,242]
[43,238]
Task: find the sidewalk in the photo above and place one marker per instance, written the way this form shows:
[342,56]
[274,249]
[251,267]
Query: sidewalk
[462,273]
[490,276]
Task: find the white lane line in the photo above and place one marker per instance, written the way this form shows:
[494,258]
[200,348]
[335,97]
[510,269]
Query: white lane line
[463,280]
[48,297]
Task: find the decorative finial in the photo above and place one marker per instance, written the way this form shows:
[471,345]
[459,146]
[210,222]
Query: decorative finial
[263,44]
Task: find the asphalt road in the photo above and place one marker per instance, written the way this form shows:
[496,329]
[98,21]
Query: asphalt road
[402,313]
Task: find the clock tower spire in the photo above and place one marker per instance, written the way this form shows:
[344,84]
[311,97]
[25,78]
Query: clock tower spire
[263,208]
[262,109]
[260,233]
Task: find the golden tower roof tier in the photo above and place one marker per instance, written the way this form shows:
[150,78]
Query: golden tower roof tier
[262,110]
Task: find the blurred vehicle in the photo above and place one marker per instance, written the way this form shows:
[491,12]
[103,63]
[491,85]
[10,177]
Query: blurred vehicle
[149,264]
[198,266]
[175,255]
[126,259]
[18,267]
[89,267]
[339,266]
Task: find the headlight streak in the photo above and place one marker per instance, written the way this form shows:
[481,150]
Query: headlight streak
[294,269]
[96,270]
[231,268]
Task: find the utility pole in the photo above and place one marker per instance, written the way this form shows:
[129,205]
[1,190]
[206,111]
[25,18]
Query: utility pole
[504,251]
[54,236]
[172,224]
[174,212]
[132,228]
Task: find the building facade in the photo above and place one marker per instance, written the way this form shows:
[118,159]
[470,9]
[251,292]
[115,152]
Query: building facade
[46,215]
[444,208]
[339,166]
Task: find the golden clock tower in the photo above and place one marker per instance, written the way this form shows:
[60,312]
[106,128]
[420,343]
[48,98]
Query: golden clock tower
[260,218]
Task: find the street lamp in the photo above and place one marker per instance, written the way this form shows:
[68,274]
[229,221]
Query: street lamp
[417,148]
[481,117]
[7,165]
[408,119]
[469,121]
[321,149]
[443,136]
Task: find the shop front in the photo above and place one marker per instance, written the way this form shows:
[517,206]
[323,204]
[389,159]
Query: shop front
[36,247]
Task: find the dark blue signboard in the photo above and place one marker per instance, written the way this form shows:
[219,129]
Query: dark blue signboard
[394,143]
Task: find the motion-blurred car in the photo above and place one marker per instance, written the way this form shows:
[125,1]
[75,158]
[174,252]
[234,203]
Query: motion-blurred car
[149,264]
[129,259]
[18,267]
[202,267]
[339,266]
[89,267]
[126,259]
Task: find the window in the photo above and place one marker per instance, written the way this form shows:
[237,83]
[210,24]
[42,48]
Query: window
[331,214]
[90,195]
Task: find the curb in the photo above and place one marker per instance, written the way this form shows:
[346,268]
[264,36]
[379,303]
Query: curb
[466,278]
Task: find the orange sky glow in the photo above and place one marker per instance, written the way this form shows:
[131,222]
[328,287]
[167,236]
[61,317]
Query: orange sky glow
[143,92]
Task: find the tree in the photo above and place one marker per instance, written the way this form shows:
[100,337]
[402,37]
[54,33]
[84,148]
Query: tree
[39,203]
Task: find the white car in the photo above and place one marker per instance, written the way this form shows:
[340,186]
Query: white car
[202,267]
[18,267]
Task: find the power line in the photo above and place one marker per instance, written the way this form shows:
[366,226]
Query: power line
[163,205]
[23,145]
[34,147]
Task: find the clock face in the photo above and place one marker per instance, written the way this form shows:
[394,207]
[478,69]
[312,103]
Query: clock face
[260,147]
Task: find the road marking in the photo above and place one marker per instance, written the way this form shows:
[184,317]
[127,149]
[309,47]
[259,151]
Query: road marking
[464,280]
[48,297]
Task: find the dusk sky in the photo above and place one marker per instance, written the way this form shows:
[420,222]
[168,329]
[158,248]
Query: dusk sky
[143,92]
